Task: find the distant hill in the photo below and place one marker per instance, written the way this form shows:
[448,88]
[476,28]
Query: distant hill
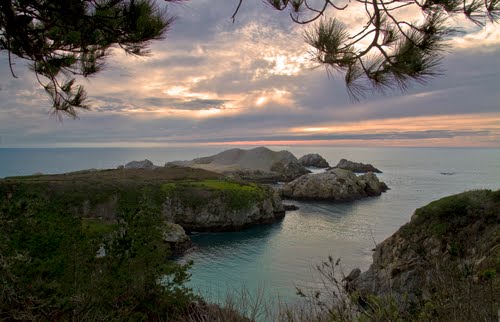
[255,163]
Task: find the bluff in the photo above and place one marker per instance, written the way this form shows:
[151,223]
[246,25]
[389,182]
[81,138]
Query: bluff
[446,260]
[216,205]
[195,199]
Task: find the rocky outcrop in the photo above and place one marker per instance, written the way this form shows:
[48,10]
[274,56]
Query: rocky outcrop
[334,185]
[288,170]
[176,237]
[258,165]
[290,207]
[356,167]
[313,160]
[228,208]
[445,241]
[144,164]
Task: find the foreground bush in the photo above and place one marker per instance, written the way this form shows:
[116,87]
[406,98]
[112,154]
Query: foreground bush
[57,266]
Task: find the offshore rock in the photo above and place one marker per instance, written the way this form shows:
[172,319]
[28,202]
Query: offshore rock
[356,167]
[313,160]
[334,185]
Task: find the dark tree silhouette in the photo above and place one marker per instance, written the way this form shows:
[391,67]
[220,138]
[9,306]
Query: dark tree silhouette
[65,38]
[388,52]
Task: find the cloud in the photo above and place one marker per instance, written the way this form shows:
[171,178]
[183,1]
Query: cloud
[212,80]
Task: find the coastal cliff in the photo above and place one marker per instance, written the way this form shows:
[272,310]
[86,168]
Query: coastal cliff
[445,261]
[195,199]
[216,205]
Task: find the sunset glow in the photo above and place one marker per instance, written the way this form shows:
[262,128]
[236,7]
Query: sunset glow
[212,82]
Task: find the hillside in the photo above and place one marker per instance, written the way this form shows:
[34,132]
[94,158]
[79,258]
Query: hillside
[258,164]
[92,245]
[195,198]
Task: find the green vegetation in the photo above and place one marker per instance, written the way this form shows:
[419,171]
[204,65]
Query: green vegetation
[50,268]
[89,247]
[63,38]
[100,194]
[236,196]
[449,215]
[97,227]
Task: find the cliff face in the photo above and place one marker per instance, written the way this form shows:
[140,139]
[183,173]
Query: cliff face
[214,205]
[447,242]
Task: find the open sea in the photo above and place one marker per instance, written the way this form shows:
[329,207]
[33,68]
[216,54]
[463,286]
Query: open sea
[277,258]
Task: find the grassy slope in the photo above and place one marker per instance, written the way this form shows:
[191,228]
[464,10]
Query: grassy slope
[463,221]
[194,193]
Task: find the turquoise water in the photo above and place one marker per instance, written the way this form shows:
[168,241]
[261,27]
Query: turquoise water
[279,257]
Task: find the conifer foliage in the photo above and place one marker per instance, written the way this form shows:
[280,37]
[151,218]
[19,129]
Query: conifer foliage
[62,39]
[390,51]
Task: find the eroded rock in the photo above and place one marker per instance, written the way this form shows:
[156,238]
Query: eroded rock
[313,160]
[356,167]
[334,185]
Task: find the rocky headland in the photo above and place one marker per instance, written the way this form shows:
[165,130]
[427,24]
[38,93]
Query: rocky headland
[188,199]
[449,251]
[258,165]
[356,167]
[334,185]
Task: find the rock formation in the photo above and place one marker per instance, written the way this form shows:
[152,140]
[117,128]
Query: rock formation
[175,235]
[356,167]
[230,207]
[144,164]
[259,164]
[313,160]
[334,185]
[445,241]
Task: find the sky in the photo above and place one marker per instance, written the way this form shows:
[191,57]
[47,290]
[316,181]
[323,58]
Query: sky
[251,82]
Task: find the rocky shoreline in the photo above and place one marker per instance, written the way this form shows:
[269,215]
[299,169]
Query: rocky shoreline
[450,241]
[449,246]
[217,193]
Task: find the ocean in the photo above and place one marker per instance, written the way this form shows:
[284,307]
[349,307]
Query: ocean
[277,258]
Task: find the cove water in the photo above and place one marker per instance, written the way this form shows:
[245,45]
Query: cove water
[277,258]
